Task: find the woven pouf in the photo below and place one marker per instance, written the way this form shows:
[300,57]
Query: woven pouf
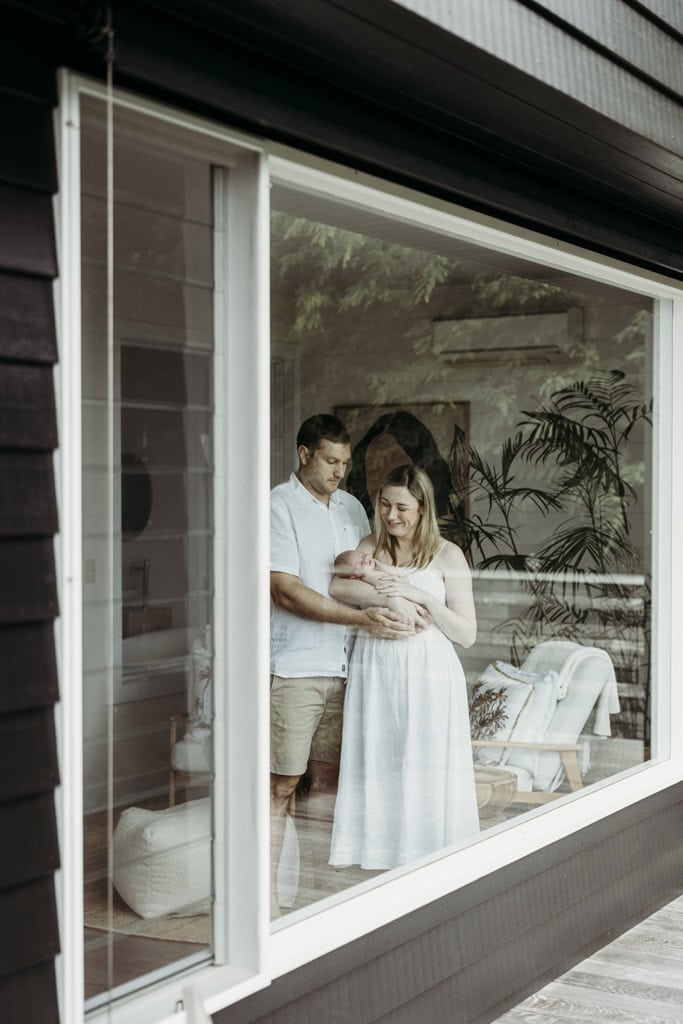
[162,859]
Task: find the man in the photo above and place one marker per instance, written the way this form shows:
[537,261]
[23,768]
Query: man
[311,523]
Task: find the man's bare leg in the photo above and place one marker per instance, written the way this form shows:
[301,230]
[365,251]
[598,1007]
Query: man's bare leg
[324,779]
[316,806]
[281,789]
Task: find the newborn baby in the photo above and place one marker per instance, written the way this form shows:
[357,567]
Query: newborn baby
[354,565]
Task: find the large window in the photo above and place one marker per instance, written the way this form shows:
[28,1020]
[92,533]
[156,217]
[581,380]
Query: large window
[166,212]
[531,388]
[526,394]
[147,555]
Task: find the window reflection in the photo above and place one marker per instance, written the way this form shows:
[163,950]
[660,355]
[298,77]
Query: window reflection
[525,394]
[148,580]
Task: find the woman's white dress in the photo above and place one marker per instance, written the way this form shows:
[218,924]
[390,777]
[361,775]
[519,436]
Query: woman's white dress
[406,784]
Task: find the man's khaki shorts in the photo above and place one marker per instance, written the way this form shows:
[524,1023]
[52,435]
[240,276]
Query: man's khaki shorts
[305,722]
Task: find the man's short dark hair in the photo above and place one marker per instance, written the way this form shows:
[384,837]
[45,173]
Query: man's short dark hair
[321,427]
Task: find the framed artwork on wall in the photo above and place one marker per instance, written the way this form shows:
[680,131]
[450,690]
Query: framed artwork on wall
[433,435]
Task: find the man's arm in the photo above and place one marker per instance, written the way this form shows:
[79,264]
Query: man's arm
[358,592]
[289,593]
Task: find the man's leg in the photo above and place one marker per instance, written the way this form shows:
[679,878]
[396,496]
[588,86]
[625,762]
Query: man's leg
[281,789]
[317,806]
[324,776]
[295,709]
[323,765]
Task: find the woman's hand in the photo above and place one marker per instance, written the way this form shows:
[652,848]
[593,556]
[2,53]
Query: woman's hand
[391,587]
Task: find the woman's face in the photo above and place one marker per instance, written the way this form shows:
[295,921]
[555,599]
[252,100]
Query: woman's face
[400,512]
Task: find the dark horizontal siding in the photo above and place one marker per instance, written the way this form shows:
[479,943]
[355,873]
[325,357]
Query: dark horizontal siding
[606,55]
[28,582]
[29,936]
[467,958]
[30,996]
[28,754]
[29,669]
[626,33]
[27,232]
[668,13]
[27,323]
[22,943]
[27,407]
[27,496]
[29,846]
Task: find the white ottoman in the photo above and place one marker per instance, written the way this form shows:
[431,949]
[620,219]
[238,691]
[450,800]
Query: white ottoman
[162,859]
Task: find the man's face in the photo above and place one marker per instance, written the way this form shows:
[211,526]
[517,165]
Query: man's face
[323,470]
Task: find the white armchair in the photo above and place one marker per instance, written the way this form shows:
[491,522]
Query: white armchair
[542,746]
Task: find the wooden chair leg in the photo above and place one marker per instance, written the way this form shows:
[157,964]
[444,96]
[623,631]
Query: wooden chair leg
[172,735]
[570,760]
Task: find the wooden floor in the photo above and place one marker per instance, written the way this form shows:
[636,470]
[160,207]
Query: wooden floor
[637,979]
[314,815]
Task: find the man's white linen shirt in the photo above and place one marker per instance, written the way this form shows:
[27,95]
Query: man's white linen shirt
[305,538]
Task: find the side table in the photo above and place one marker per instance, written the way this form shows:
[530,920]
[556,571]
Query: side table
[496,788]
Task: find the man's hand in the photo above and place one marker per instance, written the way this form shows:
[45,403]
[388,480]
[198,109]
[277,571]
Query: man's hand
[387,625]
[415,614]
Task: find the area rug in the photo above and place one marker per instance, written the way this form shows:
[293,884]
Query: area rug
[123,920]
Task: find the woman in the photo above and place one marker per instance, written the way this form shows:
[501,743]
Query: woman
[406,786]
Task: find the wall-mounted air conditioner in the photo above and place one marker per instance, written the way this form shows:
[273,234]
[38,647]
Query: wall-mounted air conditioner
[527,338]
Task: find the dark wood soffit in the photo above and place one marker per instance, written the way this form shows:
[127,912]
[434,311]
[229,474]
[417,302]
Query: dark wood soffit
[615,213]
[292,72]
[27,156]
[28,39]
[385,53]
[29,667]
[446,167]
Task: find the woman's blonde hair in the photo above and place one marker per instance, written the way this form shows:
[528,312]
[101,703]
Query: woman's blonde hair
[427,537]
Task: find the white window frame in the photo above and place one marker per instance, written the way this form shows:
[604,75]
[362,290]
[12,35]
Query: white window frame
[240,847]
[248,952]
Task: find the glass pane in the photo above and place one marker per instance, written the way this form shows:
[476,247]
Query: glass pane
[147,555]
[522,395]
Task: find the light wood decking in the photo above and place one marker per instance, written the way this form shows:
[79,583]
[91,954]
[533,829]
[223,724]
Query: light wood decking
[636,979]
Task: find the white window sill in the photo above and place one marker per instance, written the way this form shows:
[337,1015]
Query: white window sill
[383,902]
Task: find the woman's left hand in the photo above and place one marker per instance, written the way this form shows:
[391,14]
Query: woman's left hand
[392,587]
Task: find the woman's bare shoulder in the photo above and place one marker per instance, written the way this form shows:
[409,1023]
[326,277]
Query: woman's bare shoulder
[450,558]
[367,544]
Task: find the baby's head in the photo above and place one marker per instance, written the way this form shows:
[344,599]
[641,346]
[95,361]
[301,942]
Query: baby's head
[352,564]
